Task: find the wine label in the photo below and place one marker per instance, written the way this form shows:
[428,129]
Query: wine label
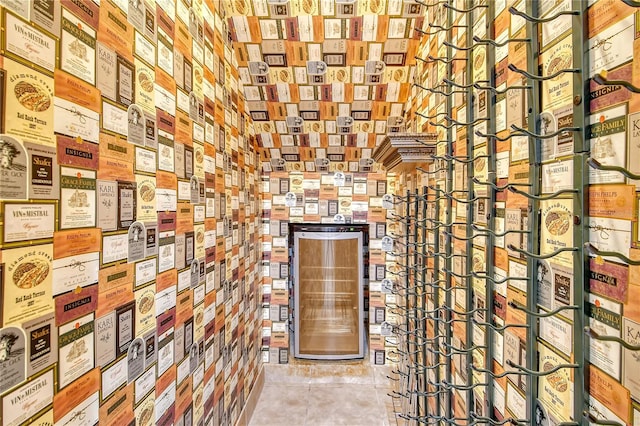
[27,400]
[27,283]
[75,344]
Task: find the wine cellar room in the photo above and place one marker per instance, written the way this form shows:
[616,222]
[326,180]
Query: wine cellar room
[212,208]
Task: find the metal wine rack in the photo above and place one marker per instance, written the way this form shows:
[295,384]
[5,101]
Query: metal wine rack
[498,318]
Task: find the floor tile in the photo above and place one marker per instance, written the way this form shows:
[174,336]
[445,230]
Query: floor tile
[293,374]
[381,376]
[346,404]
[281,404]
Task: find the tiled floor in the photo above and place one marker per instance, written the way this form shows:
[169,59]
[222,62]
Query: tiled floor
[323,393]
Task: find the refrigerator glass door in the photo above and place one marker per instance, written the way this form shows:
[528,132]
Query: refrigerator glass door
[328,295]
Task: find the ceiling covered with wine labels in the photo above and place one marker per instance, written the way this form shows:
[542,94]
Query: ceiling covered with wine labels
[325,81]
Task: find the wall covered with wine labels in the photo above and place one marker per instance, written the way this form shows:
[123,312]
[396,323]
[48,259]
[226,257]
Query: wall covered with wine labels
[323,197]
[129,200]
[520,288]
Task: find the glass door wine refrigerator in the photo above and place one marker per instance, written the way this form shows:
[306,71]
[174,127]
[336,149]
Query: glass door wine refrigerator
[328,271]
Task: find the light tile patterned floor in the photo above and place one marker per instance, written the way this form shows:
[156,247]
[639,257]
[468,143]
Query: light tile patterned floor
[319,394]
